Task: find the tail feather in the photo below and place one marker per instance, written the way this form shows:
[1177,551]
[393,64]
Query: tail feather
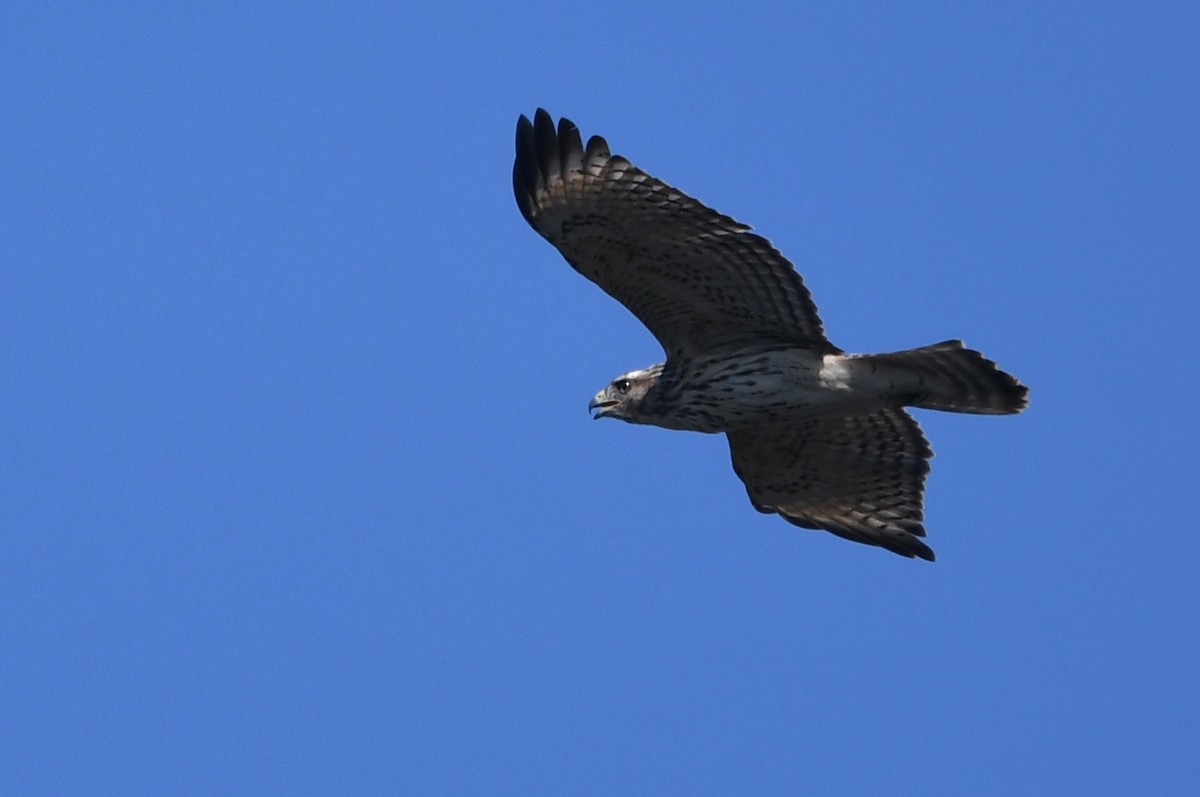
[948,376]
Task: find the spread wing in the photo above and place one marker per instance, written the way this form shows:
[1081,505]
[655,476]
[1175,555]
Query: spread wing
[699,280]
[858,476]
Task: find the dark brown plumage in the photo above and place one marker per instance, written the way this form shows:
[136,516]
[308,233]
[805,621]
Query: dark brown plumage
[818,436]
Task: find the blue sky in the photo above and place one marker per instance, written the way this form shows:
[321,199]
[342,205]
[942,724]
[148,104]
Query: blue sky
[300,494]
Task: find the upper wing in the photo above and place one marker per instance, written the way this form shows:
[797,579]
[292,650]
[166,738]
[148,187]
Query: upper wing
[858,476]
[697,279]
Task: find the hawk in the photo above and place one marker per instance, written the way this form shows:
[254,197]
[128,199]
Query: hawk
[818,436]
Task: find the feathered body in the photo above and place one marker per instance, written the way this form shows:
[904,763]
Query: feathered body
[756,386]
[817,435]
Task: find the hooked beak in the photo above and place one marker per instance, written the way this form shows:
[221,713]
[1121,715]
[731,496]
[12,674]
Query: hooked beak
[602,403]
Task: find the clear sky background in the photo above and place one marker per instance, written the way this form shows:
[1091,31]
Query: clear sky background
[300,494]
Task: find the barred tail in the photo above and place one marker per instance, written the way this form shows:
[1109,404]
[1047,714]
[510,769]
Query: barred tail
[948,376]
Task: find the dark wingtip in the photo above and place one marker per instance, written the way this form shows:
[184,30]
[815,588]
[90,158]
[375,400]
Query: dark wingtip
[904,543]
[909,542]
[570,146]
[923,551]
[525,167]
[546,144]
[907,545]
[545,153]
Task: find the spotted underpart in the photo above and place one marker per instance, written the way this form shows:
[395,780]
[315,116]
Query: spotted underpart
[818,436]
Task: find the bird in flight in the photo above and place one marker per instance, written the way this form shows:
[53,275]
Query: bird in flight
[818,436]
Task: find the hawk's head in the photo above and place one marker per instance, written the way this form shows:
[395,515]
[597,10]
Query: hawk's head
[623,396]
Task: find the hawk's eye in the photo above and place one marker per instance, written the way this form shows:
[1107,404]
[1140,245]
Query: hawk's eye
[622,385]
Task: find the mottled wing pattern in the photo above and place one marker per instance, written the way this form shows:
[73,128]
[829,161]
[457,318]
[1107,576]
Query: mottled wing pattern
[697,279]
[858,476]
